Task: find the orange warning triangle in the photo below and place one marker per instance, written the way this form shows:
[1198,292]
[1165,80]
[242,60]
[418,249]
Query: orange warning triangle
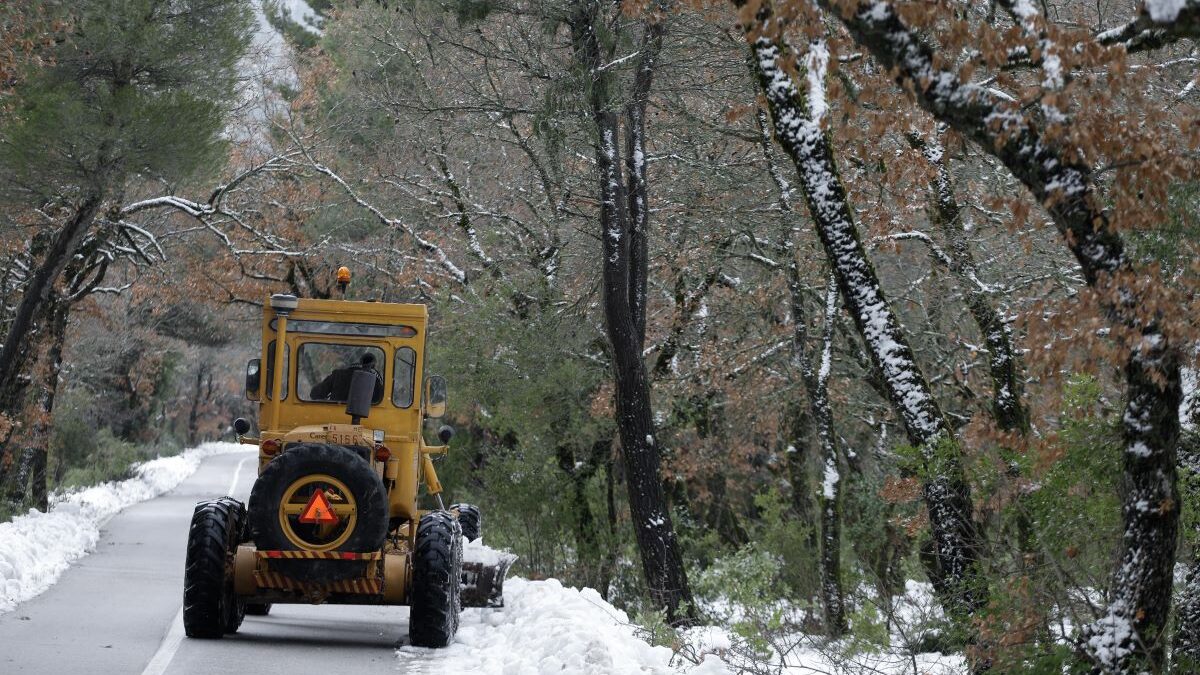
[318,511]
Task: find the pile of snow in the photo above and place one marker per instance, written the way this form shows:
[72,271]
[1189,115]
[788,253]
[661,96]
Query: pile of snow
[545,627]
[477,552]
[36,548]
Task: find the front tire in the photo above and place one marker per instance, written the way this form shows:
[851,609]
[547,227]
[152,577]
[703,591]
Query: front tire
[210,608]
[470,518]
[437,570]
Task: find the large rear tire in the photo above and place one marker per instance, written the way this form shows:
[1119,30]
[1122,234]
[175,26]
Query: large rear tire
[470,518]
[341,466]
[436,578]
[210,608]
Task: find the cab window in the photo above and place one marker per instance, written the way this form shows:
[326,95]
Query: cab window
[324,371]
[403,382]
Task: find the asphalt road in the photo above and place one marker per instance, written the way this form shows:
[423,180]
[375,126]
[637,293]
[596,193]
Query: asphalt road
[117,610]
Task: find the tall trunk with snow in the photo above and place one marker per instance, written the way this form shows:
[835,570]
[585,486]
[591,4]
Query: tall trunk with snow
[1185,644]
[1008,408]
[635,164]
[624,284]
[797,125]
[816,385]
[1129,636]
[816,381]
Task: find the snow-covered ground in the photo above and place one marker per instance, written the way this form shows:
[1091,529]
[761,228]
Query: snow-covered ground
[545,627]
[36,548]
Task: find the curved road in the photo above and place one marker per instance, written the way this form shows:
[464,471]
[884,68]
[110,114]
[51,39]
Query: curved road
[117,610]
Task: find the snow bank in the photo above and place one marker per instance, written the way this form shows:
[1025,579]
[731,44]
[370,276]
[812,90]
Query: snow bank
[545,627]
[476,551]
[36,548]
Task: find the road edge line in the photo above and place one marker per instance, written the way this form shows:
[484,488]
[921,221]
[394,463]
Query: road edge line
[166,650]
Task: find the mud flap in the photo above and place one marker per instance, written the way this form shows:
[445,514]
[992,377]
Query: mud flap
[483,581]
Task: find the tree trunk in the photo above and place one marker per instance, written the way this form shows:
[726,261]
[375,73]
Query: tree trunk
[946,491]
[798,427]
[199,398]
[816,385]
[831,477]
[623,284]
[1008,408]
[37,294]
[587,536]
[1185,644]
[815,375]
[27,485]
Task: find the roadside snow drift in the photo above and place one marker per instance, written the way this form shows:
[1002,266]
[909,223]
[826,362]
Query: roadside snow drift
[547,628]
[36,548]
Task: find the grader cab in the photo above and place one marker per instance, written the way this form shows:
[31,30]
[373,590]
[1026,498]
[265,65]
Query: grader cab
[335,514]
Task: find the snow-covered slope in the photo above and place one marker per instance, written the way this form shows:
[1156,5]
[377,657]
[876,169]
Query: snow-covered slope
[298,12]
[36,548]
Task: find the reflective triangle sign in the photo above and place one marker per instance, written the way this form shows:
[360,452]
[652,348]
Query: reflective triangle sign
[318,511]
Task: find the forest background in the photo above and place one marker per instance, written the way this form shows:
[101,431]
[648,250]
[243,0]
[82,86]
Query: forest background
[755,314]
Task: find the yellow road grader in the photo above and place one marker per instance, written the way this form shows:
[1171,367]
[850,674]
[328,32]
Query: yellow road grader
[334,516]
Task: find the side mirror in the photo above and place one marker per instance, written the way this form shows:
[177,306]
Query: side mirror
[253,376]
[362,390]
[241,426]
[445,433]
[435,396]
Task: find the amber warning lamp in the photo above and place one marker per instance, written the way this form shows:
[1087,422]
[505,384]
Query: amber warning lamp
[343,279]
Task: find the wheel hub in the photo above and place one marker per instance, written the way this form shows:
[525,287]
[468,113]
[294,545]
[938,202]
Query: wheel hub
[303,516]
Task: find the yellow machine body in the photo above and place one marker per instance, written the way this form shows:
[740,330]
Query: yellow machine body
[398,332]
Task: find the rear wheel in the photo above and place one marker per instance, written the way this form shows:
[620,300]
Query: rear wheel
[282,500]
[470,519]
[436,574]
[210,608]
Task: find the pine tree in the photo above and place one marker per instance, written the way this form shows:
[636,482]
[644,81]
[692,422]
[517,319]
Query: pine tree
[136,90]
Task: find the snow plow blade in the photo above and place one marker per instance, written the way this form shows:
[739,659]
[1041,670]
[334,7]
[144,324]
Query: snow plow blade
[483,576]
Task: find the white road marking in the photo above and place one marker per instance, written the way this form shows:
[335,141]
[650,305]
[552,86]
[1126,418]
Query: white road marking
[174,637]
[236,473]
[166,651]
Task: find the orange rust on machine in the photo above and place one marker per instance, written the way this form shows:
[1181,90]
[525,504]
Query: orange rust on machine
[318,511]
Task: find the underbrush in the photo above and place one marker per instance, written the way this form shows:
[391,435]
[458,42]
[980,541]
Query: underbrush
[755,628]
[82,455]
